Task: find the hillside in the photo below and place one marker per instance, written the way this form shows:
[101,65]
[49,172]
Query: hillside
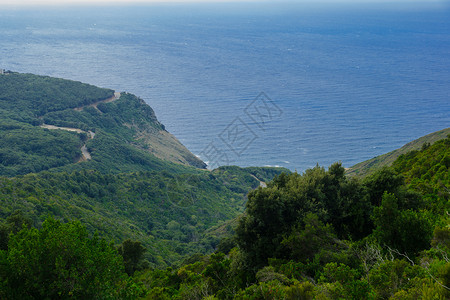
[48,123]
[79,152]
[316,235]
[368,167]
[168,213]
[427,171]
[91,208]
[324,235]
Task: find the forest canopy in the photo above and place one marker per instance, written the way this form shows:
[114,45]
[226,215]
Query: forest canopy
[322,235]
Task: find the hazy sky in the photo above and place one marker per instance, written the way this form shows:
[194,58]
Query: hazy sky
[62,2]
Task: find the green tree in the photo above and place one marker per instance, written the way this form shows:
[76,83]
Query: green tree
[133,256]
[407,231]
[385,180]
[14,223]
[304,243]
[259,230]
[391,276]
[346,280]
[273,211]
[61,261]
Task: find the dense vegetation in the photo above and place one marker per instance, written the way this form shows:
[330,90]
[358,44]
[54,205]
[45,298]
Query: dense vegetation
[26,149]
[317,235]
[321,235]
[61,261]
[127,224]
[27,97]
[168,213]
[426,171]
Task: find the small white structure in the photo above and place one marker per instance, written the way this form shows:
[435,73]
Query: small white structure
[2,71]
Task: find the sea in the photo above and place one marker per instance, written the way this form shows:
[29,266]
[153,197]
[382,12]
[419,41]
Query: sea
[269,83]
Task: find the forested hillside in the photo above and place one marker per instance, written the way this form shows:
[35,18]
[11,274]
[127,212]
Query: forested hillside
[322,235]
[119,131]
[168,213]
[138,182]
[98,201]
[316,235]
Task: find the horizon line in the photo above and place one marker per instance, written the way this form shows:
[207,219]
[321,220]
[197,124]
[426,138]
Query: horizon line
[32,3]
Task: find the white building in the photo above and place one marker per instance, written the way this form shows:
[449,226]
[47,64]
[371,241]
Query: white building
[2,71]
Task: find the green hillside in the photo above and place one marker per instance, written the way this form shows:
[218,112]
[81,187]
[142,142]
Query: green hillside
[45,123]
[324,235]
[98,201]
[370,166]
[168,213]
[133,180]
[427,172]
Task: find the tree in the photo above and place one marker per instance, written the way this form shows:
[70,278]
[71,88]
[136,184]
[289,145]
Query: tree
[274,211]
[259,230]
[393,275]
[14,223]
[132,253]
[406,231]
[385,180]
[60,261]
[304,243]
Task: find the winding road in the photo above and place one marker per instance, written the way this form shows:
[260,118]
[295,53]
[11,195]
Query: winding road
[84,151]
[95,104]
[261,183]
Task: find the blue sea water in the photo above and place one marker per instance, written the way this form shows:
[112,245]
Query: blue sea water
[345,82]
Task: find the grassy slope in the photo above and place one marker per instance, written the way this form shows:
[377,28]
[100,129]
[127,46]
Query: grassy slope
[368,167]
